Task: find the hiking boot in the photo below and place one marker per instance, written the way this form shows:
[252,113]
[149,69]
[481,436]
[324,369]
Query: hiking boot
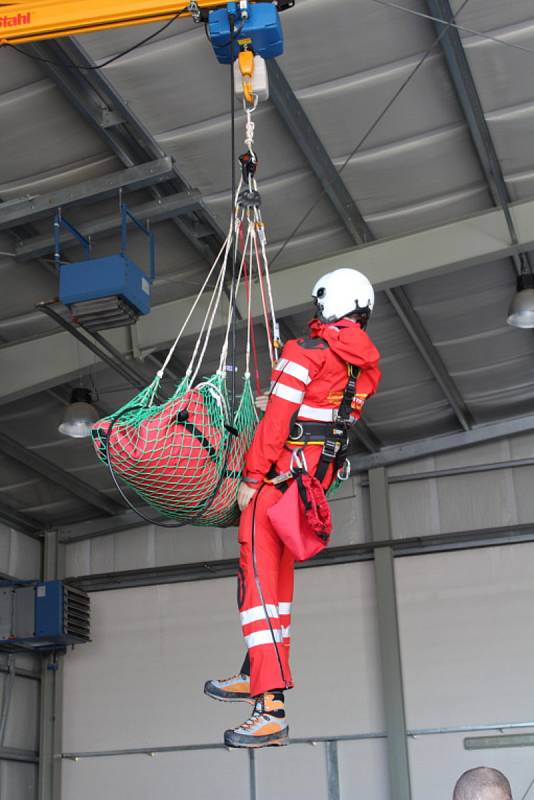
[235,688]
[267,726]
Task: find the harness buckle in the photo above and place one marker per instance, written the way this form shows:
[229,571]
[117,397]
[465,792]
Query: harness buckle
[331,448]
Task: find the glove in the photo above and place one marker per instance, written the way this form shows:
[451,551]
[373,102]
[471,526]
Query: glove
[244,495]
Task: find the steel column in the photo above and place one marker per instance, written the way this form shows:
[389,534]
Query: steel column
[332,770]
[252,774]
[388,631]
[51,705]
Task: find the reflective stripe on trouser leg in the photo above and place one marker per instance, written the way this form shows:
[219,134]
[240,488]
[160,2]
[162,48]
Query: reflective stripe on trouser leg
[269,665]
[285,597]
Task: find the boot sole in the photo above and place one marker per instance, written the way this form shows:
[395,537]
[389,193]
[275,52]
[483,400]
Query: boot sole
[239,740]
[228,697]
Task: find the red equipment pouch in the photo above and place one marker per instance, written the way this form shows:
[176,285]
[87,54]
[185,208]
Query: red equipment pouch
[302,517]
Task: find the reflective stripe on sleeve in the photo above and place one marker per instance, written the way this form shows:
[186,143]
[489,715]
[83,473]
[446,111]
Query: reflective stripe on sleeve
[258,612]
[295,370]
[284,608]
[263,637]
[320,414]
[287,393]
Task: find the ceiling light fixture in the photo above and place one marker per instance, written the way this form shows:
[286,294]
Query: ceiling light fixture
[80,415]
[521,313]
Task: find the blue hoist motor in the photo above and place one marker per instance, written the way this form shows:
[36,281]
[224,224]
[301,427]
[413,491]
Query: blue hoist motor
[254,25]
[106,292]
[42,616]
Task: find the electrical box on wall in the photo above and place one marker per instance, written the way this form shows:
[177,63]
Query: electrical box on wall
[42,617]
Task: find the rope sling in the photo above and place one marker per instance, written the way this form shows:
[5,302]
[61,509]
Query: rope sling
[184,457]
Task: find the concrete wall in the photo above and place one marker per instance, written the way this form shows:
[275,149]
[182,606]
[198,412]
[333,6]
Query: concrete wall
[20,557]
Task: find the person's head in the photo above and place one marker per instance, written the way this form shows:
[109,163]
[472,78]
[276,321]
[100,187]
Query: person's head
[344,293]
[482,783]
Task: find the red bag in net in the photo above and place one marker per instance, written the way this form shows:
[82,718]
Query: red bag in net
[170,457]
[302,517]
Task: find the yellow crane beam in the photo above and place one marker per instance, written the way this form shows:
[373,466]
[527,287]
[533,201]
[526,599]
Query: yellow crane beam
[51,19]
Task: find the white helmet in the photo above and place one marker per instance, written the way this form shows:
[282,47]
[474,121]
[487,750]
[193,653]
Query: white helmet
[342,292]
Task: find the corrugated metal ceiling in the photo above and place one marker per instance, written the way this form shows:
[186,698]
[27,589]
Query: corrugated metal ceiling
[345,61]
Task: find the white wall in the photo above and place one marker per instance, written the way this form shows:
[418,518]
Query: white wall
[20,557]
[467,649]
[466,637]
[139,684]
[425,507]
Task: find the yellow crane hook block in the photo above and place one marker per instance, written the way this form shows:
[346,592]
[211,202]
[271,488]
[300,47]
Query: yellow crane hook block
[251,77]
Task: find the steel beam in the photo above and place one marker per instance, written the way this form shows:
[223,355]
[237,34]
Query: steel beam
[313,740]
[400,302]
[448,472]
[388,634]
[468,97]
[442,444]
[288,106]
[97,100]
[16,754]
[20,212]
[477,239]
[50,471]
[303,132]
[348,554]
[20,521]
[156,211]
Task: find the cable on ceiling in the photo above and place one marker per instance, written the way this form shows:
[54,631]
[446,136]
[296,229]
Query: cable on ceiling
[368,132]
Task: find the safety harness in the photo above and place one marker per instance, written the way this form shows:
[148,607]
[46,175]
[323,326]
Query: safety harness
[333,436]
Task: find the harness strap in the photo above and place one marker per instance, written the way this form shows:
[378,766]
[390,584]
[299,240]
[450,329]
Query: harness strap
[337,443]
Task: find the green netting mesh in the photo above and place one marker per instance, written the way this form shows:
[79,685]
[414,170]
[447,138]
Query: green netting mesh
[183,457]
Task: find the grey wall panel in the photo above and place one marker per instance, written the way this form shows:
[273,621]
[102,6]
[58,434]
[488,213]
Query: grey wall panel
[363,770]
[139,683]
[18,781]
[198,776]
[418,508]
[150,546]
[23,719]
[438,761]
[20,555]
[465,627]
[298,772]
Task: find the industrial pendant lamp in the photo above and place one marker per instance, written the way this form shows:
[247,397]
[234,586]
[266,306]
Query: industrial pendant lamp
[80,414]
[521,313]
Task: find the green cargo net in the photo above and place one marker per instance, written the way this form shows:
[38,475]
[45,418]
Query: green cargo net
[184,457]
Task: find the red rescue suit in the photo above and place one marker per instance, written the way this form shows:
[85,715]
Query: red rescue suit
[308,383]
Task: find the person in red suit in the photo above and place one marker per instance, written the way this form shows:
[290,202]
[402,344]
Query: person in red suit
[308,386]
